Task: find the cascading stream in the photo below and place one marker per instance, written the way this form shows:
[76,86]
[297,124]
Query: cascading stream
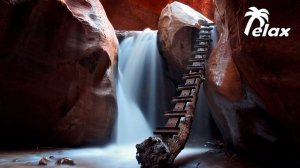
[140,76]
[174,135]
[140,89]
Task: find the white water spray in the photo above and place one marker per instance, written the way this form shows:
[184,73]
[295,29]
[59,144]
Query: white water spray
[139,71]
[139,66]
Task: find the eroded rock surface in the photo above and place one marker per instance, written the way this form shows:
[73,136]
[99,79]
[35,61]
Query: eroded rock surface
[141,14]
[177,28]
[252,83]
[56,76]
[153,152]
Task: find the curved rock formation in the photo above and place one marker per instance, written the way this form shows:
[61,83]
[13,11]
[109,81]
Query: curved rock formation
[141,14]
[177,26]
[252,83]
[56,76]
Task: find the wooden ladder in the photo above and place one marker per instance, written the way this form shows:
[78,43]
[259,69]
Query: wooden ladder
[161,152]
[176,131]
[186,101]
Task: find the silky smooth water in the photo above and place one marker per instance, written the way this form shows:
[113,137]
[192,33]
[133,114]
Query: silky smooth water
[139,79]
[113,156]
[140,75]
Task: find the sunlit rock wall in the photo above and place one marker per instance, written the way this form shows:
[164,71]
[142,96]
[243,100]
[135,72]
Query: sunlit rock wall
[178,24]
[56,76]
[140,14]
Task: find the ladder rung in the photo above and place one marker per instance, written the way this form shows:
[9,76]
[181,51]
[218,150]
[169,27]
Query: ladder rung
[204,33]
[201,49]
[195,67]
[176,111]
[199,56]
[197,60]
[197,63]
[184,85]
[203,39]
[181,100]
[167,130]
[192,74]
[201,60]
[175,114]
[191,77]
[206,28]
[200,45]
[182,97]
[199,52]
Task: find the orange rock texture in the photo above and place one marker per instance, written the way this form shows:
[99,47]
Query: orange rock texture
[141,14]
[56,78]
[177,25]
[253,82]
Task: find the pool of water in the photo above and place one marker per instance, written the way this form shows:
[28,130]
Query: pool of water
[113,156]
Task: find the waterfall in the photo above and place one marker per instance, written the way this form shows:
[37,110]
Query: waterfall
[140,77]
[214,37]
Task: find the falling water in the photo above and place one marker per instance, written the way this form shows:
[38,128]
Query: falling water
[214,36]
[140,71]
[139,76]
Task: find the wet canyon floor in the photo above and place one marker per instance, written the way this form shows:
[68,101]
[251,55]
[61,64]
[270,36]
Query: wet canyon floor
[118,157]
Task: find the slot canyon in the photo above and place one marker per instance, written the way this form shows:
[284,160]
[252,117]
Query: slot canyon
[86,83]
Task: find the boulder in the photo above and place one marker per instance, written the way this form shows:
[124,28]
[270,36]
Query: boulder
[177,28]
[153,152]
[252,83]
[56,73]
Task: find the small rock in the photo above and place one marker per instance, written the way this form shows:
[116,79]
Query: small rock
[65,161]
[44,161]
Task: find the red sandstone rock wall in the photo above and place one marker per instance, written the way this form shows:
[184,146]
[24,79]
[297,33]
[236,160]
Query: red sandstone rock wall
[140,14]
[253,83]
[177,25]
[56,79]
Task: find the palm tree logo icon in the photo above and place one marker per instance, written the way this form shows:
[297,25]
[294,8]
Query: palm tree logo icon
[261,15]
